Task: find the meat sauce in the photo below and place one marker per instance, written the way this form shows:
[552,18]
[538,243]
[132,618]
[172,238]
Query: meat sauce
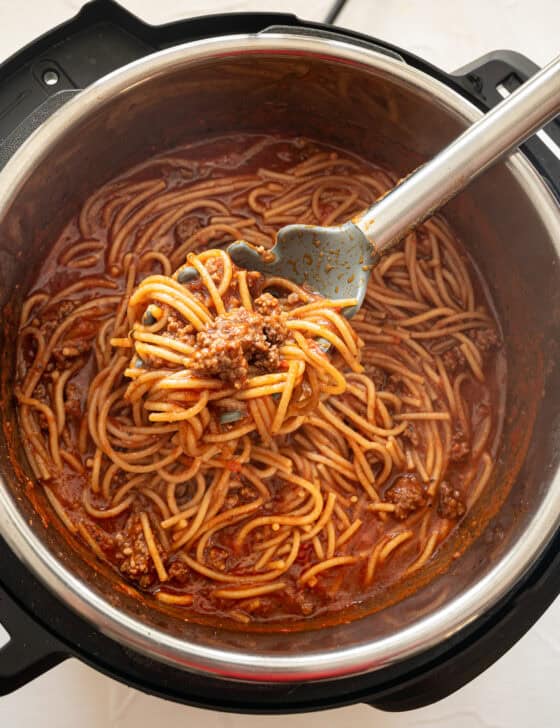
[237,343]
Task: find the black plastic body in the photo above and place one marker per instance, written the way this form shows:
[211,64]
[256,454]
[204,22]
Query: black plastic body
[43,631]
[508,69]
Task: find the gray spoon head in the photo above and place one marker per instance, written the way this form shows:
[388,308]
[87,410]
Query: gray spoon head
[333,261]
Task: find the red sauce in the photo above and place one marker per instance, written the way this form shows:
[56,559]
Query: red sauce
[120,538]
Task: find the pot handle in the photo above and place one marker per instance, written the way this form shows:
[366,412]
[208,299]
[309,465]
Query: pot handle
[31,650]
[468,654]
[101,38]
[493,77]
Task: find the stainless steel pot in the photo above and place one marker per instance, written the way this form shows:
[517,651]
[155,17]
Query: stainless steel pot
[397,115]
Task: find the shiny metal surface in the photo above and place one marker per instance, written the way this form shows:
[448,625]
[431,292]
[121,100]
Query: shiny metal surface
[499,131]
[350,250]
[111,125]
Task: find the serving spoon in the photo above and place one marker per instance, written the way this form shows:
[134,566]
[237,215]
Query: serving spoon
[336,261]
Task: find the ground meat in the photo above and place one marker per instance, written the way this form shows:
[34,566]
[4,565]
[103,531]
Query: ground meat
[460,447]
[72,400]
[451,504]
[304,603]
[246,493]
[240,339]
[178,571]
[376,374]
[453,360]
[267,305]
[274,327]
[396,384]
[255,282]
[408,496]
[300,599]
[135,560]
[40,393]
[215,268]
[217,558]
[485,340]
[64,309]
[178,328]
[231,501]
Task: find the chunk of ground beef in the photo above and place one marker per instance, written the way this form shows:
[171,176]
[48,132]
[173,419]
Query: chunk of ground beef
[72,400]
[459,451]
[40,393]
[460,447]
[56,315]
[408,496]
[215,268]
[485,340]
[274,327]
[231,501]
[255,283]
[135,560]
[453,360]
[64,309]
[240,339]
[295,598]
[178,571]
[178,328]
[217,558]
[396,384]
[451,504]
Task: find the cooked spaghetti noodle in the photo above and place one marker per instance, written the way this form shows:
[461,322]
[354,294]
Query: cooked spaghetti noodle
[231,443]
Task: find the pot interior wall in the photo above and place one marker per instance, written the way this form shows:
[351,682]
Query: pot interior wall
[382,119]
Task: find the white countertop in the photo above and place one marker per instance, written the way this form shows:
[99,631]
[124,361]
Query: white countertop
[521,689]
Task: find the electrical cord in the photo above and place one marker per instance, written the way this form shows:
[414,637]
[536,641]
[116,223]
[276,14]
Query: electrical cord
[335,11]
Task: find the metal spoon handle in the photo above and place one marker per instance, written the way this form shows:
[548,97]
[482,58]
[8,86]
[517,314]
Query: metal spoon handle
[499,131]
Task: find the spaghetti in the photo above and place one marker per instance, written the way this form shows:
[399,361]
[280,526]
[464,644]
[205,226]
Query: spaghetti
[231,443]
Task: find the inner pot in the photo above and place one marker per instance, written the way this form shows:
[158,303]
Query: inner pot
[384,111]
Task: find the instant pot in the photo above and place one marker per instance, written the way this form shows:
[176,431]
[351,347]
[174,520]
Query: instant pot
[105,91]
